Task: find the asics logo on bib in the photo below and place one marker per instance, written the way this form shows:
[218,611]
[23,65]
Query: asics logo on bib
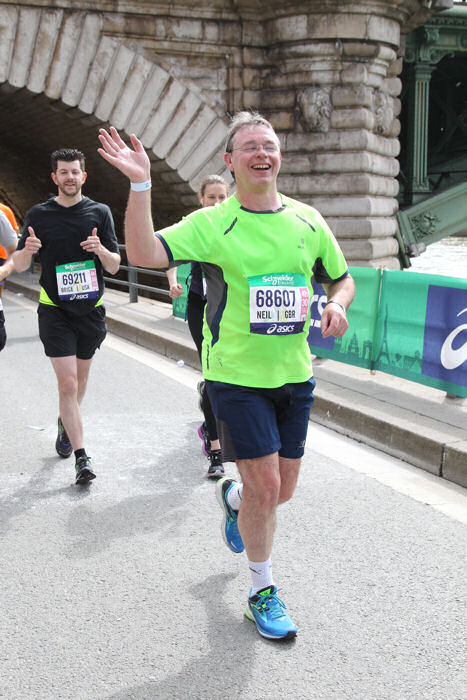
[280,329]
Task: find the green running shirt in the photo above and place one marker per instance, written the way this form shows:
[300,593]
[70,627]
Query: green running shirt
[258,268]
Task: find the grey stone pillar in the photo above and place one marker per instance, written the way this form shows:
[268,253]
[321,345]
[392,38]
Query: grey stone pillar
[341,134]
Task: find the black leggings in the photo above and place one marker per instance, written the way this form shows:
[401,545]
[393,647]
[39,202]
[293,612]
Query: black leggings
[195,316]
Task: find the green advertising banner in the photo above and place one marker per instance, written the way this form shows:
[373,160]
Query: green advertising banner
[422,330]
[356,347]
[419,328]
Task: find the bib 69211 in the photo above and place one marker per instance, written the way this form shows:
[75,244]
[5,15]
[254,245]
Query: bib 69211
[77,280]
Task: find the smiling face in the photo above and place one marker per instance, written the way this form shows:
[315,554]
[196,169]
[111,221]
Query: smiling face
[255,159]
[69,178]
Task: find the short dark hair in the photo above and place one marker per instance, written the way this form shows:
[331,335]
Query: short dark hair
[68,155]
[241,119]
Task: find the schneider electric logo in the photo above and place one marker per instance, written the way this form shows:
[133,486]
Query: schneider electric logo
[445,341]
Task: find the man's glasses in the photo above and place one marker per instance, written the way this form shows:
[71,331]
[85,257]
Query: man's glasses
[254,148]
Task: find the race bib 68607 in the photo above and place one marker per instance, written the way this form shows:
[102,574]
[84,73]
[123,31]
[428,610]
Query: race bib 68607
[279,303]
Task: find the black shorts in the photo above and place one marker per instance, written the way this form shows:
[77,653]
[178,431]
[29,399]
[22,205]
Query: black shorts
[263,421]
[64,334]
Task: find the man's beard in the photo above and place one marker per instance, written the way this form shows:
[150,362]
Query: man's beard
[67,191]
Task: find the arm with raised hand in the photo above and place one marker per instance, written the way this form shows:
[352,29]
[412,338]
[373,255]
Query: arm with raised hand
[175,289]
[142,246]
[22,258]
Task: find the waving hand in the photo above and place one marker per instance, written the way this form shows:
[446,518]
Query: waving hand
[132,162]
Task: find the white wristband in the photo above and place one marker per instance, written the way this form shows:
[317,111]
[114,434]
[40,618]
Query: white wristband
[333,301]
[141,186]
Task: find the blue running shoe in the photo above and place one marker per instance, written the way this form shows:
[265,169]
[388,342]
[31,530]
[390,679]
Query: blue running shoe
[62,443]
[266,609]
[229,528]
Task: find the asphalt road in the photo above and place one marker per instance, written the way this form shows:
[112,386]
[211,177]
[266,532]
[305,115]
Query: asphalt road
[125,590]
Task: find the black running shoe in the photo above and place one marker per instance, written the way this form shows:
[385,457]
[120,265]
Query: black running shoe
[216,468]
[62,443]
[83,469]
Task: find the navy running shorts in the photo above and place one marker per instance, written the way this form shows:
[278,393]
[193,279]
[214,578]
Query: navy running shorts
[264,421]
[64,334]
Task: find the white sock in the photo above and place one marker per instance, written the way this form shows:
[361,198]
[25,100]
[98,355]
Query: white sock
[261,575]
[234,496]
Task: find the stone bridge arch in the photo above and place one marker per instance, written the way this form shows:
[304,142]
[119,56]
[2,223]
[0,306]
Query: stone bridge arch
[325,73]
[62,77]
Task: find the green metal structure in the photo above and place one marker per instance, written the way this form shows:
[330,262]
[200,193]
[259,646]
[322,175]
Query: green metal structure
[433,179]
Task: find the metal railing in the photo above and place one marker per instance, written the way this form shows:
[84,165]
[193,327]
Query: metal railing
[132,282]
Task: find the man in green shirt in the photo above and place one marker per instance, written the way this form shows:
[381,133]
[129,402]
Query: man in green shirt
[259,251]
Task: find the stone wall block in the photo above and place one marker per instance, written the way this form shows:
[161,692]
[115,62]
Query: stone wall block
[279,99]
[113,85]
[212,142]
[357,118]
[64,52]
[28,23]
[352,183]
[358,161]
[282,121]
[355,73]
[97,75]
[195,131]
[251,99]
[354,227]
[369,249]
[46,40]
[82,59]
[149,97]
[8,22]
[186,110]
[251,79]
[131,91]
[211,32]
[325,26]
[163,113]
[396,67]
[392,86]
[351,205]
[294,163]
[284,28]
[359,50]
[348,140]
[352,96]
[252,34]
[187,29]
[253,56]
[284,79]
[382,145]
[388,54]
[383,30]
[118,72]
